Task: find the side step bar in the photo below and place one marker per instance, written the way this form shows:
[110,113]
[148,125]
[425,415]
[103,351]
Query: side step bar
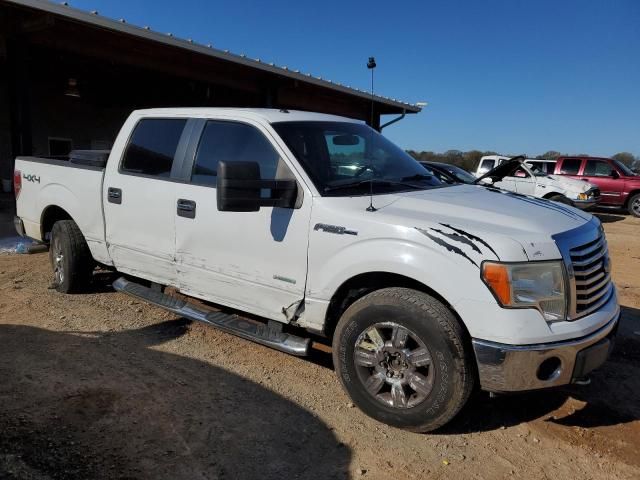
[269,334]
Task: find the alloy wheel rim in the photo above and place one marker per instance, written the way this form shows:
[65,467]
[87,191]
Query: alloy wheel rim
[394,365]
[58,262]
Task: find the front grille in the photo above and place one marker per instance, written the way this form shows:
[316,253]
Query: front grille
[591,268]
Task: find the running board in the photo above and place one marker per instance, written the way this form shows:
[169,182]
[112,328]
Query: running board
[269,334]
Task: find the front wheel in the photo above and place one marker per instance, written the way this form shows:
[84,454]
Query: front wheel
[401,356]
[634,205]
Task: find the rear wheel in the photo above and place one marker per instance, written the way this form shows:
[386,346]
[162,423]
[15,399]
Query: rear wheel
[400,355]
[634,205]
[70,257]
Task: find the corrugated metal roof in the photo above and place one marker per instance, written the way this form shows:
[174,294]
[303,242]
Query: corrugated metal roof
[93,18]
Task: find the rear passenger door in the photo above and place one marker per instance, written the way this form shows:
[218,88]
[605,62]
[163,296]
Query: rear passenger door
[254,261]
[139,200]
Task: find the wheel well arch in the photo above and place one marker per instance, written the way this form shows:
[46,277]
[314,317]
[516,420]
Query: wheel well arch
[553,194]
[630,196]
[50,215]
[360,285]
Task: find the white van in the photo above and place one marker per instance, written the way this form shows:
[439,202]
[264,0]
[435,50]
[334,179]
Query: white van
[489,162]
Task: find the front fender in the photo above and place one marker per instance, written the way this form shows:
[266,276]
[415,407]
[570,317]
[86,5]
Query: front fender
[454,277]
[402,257]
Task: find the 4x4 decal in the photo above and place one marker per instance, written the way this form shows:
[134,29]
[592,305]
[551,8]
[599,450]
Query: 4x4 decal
[31,178]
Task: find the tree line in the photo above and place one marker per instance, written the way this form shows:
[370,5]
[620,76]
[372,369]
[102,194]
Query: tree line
[469,160]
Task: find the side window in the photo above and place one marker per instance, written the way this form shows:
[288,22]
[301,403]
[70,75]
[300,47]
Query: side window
[152,146]
[234,142]
[521,172]
[595,168]
[570,166]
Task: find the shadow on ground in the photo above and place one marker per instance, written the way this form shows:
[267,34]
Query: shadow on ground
[608,217]
[612,398]
[77,405]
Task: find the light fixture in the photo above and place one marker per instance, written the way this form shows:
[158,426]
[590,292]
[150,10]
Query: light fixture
[72,88]
[421,104]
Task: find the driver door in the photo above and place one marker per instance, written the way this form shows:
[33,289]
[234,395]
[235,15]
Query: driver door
[600,173]
[525,182]
[253,261]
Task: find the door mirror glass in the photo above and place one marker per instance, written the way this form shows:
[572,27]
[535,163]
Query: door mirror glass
[240,189]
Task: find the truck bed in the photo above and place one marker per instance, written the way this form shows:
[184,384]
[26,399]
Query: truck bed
[73,187]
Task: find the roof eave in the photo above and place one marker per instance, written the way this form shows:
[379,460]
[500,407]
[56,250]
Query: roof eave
[146,33]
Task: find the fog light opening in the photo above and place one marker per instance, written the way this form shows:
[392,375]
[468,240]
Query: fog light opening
[549,369]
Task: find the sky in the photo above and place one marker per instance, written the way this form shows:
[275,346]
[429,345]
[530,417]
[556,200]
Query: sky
[513,76]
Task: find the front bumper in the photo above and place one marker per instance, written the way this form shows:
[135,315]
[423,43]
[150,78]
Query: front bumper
[585,204]
[511,368]
[593,198]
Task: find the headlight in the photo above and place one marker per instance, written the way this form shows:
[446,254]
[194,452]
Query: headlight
[583,196]
[538,285]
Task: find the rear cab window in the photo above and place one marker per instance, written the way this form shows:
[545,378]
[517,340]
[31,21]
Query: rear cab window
[485,166]
[152,147]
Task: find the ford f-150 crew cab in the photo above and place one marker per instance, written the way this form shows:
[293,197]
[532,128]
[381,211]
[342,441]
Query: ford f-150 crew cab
[293,222]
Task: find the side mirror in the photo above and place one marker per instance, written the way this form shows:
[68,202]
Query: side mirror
[487,181]
[615,174]
[239,189]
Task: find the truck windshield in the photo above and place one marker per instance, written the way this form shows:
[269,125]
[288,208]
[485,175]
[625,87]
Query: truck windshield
[344,158]
[623,168]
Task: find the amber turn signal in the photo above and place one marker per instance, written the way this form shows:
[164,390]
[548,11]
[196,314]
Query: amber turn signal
[496,276]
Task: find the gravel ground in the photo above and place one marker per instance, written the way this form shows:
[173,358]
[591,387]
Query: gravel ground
[99,386]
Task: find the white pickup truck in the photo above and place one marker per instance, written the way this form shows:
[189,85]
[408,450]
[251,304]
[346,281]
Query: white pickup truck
[524,176]
[295,222]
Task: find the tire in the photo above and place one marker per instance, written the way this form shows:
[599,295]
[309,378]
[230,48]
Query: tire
[70,258]
[561,199]
[634,205]
[404,400]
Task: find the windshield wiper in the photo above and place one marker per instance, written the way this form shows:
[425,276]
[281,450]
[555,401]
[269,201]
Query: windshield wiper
[375,181]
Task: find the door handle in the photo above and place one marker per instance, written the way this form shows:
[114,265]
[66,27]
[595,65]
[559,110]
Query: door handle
[114,195]
[186,208]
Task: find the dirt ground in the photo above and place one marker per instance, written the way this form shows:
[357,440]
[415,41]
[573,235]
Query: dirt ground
[98,386]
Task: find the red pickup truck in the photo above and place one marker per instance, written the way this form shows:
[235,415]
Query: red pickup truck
[619,185]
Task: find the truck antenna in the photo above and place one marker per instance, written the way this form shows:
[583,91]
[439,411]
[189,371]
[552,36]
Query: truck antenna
[371,65]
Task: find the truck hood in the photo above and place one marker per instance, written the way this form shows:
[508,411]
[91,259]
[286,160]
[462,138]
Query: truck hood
[498,217]
[566,183]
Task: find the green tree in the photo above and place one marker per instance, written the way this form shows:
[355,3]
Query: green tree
[550,155]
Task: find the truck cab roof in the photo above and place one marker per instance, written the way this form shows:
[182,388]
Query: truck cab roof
[269,115]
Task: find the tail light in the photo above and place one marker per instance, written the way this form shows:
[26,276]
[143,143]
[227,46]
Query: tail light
[17,182]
